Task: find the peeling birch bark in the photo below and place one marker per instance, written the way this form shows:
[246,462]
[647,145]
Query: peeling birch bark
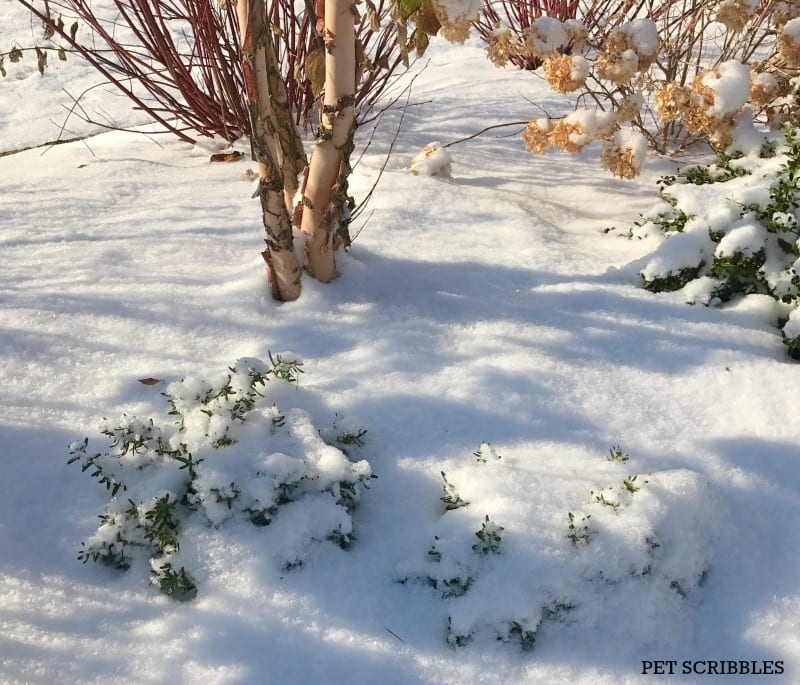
[276,147]
[320,214]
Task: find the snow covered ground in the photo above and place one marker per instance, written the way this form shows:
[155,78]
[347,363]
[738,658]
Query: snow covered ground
[488,307]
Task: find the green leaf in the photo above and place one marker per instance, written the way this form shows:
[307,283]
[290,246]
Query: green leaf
[408,7]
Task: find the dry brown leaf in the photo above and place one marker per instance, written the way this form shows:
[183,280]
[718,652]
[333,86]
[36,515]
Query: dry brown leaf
[227,156]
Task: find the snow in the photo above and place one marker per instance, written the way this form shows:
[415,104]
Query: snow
[792,29]
[730,82]
[545,35]
[483,312]
[644,36]
[747,237]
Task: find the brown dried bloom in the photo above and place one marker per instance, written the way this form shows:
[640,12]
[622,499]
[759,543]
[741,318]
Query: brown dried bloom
[535,136]
[619,161]
[577,34]
[764,88]
[544,36]
[565,73]
[453,30]
[789,49]
[785,12]
[671,100]
[569,136]
[629,107]
[617,41]
[456,31]
[502,45]
[721,133]
[617,67]
[734,14]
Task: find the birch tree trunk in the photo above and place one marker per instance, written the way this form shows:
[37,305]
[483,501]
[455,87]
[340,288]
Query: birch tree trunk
[276,146]
[320,214]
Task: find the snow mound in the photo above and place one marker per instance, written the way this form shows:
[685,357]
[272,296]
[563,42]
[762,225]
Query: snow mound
[517,548]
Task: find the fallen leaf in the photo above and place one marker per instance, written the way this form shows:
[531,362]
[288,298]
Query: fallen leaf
[227,156]
[149,381]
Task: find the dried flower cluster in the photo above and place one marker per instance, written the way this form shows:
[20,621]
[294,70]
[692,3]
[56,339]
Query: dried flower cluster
[655,75]
[455,27]
[710,105]
[765,88]
[536,137]
[789,43]
[501,46]
[629,49]
[623,151]
[734,14]
[566,73]
[618,160]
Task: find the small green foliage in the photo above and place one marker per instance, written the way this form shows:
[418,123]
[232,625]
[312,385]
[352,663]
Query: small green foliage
[227,495]
[108,553]
[178,585]
[579,534]
[433,553]
[630,485]
[452,500]
[488,537]
[161,526]
[718,172]
[455,639]
[525,637]
[766,267]
[342,539]
[486,453]
[144,455]
[616,453]
[454,587]
[601,499]
[351,439]
[669,220]
[792,346]
[287,369]
[675,280]
[739,274]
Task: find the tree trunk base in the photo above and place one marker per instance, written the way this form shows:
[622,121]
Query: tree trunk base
[283,274]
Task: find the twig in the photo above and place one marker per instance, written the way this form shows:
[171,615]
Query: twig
[484,130]
[393,634]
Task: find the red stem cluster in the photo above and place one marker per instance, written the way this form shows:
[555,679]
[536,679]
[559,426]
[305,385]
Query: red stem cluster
[182,65]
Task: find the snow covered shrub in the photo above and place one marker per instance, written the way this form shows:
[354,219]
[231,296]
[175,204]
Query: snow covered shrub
[640,535]
[732,231]
[662,74]
[224,450]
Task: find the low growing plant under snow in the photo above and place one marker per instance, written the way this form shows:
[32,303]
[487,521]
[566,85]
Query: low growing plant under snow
[224,450]
[732,231]
[506,560]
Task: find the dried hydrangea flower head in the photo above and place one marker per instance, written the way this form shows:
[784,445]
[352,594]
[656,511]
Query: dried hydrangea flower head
[536,137]
[545,36]
[789,43]
[456,17]
[501,46]
[734,14]
[566,73]
[624,154]
[765,87]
